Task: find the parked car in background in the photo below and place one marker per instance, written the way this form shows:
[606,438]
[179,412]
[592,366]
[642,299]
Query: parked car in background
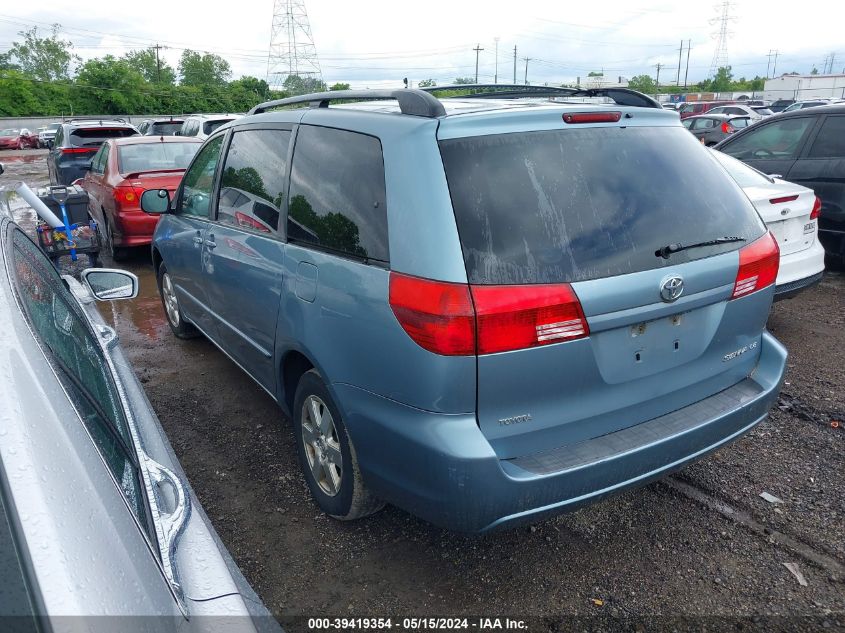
[737,109]
[693,108]
[47,134]
[780,105]
[122,169]
[807,147]
[791,213]
[202,125]
[712,128]
[810,103]
[97,517]
[17,138]
[435,349]
[160,127]
[76,142]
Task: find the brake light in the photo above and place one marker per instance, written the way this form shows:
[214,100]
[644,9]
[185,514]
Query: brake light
[817,208]
[78,150]
[592,117]
[783,199]
[758,266]
[519,317]
[437,315]
[460,320]
[126,196]
[727,128]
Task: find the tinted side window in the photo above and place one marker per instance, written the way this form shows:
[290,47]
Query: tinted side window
[337,194]
[72,348]
[830,142]
[97,161]
[60,135]
[253,181]
[198,181]
[775,140]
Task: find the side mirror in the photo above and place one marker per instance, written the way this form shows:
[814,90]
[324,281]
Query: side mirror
[155,201]
[107,284]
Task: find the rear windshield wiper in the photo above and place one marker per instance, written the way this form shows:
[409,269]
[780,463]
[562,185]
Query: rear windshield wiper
[667,250]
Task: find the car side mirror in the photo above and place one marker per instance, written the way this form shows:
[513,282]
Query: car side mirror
[155,201]
[108,284]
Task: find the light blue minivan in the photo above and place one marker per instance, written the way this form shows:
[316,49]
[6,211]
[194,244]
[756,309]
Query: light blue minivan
[483,309]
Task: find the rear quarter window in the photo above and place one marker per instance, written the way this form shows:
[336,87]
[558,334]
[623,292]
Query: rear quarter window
[577,204]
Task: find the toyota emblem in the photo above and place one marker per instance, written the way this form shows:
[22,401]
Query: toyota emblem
[671,288]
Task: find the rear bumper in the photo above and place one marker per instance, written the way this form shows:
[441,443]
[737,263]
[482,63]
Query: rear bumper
[441,467]
[799,271]
[134,228]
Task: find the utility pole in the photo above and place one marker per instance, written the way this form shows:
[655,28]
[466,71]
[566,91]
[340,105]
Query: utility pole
[775,65]
[496,75]
[686,72]
[158,63]
[514,65]
[680,53]
[772,53]
[657,81]
[832,60]
[526,60]
[477,50]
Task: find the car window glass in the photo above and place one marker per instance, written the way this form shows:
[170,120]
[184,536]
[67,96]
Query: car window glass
[72,348]
[337,194]
[687,123]
[253,180]
[830,141]
[739,122]
[104,159]
[60,133]
[198,181]
[775,140]
[97,160]
[705,124]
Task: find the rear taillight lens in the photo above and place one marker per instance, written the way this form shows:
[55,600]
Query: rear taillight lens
[817,208]
[126,196]
[78,150]
[727,128]
[758,266]
[437,315]
[518,317]
[592,117]
[459,320]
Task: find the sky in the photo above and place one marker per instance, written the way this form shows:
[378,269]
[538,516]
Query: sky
[375,43]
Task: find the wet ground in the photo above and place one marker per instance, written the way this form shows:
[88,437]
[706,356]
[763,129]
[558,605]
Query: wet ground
[700,543]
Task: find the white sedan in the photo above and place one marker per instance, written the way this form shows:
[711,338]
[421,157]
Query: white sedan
[791,213]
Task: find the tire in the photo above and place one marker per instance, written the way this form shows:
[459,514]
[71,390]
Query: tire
[342,495]
[172,312]
[117,253]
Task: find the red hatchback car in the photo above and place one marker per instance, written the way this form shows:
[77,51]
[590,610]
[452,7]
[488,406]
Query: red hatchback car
[121,171]
[14,138]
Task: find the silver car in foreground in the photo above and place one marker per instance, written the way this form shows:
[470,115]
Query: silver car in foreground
[96,515]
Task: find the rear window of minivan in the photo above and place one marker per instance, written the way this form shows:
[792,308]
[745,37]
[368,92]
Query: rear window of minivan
[94,136]
[577,204]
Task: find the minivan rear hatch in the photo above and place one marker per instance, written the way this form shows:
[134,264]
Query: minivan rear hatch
[607,211]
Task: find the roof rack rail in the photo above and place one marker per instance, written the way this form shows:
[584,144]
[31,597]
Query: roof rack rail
[94,118]
[622,96]
[411,100]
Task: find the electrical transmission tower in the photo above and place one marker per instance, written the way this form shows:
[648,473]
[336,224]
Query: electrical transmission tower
[720,55]
[292,50]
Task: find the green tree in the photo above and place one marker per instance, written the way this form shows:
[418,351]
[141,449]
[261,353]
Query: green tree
[721,82]
[339,86]
[464,80]
[197,69]
[152,68]
[43,58]
[111,86]
[17,94]
[246,92]
[303,84]
[643,83]
[246,179]
[593,73]
[815,71]
[427,83]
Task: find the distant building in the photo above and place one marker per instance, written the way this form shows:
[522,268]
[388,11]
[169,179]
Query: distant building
[800,87]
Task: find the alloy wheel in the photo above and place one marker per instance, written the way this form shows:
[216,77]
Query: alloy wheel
[322,445]
[171,304]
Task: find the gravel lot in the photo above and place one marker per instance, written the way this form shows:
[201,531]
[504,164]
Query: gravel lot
[701,543]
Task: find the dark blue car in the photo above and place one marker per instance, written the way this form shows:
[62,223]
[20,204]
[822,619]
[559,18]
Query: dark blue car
[484,311]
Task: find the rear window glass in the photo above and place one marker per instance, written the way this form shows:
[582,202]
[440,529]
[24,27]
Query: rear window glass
[154,156]
[209,126]
[577,204]
[94,136]
[744,175]
[167,128]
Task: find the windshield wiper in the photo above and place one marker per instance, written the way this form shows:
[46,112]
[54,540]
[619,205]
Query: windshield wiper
[667,250]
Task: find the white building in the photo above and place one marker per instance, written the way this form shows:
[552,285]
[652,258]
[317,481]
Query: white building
[800,87]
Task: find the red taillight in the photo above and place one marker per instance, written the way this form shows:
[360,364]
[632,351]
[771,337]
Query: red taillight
[758,266]
[817,208]
[79,150]
[437,315]
[783,199]
[592,117]
[518,317]
[727,128]
[251,223]
[460,320]
[126,196]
